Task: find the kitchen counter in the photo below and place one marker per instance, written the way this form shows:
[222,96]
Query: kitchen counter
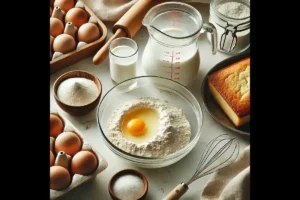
[162,180]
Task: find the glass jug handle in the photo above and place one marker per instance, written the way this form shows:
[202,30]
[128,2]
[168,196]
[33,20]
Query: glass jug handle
[210,28]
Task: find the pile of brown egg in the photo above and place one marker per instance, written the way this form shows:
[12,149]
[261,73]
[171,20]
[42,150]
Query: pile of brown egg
[70,27]
[67,156]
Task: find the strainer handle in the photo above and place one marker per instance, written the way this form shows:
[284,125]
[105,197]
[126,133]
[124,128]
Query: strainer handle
[177,192]
[210,28]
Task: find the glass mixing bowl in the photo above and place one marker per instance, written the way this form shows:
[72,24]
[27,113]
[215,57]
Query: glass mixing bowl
[156,87]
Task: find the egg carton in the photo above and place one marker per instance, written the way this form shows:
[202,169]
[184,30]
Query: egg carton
[78,179]
[81,52]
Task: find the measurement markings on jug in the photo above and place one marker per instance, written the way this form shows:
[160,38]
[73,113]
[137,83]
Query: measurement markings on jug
[167,63]
[171,62]
[177,66]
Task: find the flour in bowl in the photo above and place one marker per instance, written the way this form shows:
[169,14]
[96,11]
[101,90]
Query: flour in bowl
[173,130]
[77,91]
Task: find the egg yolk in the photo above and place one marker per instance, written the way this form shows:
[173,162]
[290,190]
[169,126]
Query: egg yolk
[140,125]
[136,127]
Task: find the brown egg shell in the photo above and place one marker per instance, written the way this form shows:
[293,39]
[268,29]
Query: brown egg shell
[52,158]
[60,178]
[78,167]
[64,43]
[69,128]
[65,5]
[63,138]
[63,122]
[51,3]
[77,16]
[88,32]
[56,27]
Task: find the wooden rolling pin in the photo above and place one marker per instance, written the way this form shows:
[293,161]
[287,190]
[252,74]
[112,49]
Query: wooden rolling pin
[127,26]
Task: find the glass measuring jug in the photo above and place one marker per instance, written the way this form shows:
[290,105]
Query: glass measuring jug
[172,50]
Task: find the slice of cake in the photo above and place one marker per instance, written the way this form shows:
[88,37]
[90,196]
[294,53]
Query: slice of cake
[230,88]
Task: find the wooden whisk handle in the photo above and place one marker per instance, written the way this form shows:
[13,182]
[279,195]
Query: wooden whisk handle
[177,192]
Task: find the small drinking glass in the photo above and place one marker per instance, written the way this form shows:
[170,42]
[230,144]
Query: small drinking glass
[123,55]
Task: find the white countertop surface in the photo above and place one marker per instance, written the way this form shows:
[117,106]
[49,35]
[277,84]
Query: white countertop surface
[163,180]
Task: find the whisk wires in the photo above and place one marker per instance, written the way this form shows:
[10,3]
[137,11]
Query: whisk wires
[221,144]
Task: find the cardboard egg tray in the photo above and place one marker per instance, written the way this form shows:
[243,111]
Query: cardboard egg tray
[87,50]
[78,179]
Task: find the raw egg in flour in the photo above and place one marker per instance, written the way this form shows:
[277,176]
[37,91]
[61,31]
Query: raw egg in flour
[140,125]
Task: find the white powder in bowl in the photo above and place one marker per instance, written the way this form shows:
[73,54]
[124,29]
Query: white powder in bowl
[77,91]
[128,187]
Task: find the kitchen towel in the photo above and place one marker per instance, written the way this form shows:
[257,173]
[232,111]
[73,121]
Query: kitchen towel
[113,10]
[232,182]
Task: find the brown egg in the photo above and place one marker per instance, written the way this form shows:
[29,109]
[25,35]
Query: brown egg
[77,16]
[59,178]
[84,163]
[64,43]
[51,2]
[51,42]
[56,27]
[51,159]
[56,125]
[50,11]
[68,142]
[88,32]
[65,5]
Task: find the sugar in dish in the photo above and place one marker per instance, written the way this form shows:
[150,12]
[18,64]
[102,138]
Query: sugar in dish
[128,184]
[128,187]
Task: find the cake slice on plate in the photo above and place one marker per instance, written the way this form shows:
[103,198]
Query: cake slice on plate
[230,88]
